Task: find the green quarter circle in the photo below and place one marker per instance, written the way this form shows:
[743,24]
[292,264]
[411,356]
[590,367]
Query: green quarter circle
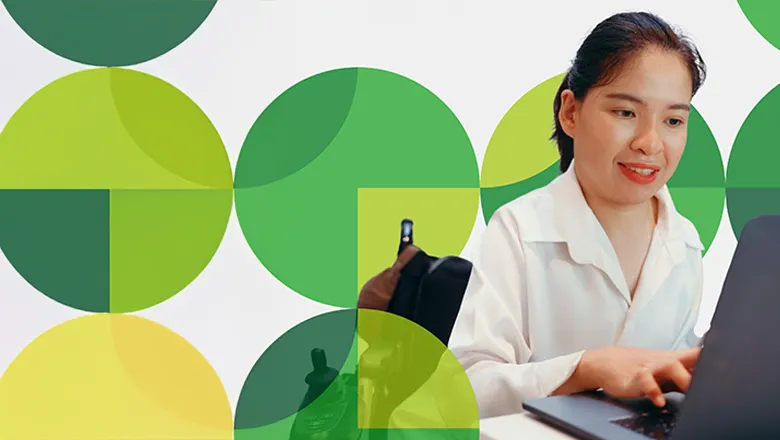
[109,33]
[521,158]
[753,184]
[312,383]
[763,16]
[330,169]
[115,190]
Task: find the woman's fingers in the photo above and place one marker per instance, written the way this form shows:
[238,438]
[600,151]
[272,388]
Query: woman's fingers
[677,373]
[651,381]
[649,387]
[689,357]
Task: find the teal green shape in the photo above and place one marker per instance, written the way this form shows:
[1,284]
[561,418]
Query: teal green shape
[296,128]
[109,32]
[745,204]
[276,386]
[763,15]
[752,179]
[495,197]
[397,134]
[58,241]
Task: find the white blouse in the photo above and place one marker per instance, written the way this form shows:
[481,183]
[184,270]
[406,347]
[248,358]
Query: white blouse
[547,285]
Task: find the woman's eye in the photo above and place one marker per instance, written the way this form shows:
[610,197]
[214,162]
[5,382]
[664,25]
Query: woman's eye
[675,122]
[624,113]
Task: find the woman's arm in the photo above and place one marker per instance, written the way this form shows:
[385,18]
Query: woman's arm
[488,337]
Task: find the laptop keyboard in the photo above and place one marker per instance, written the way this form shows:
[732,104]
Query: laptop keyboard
[655,424]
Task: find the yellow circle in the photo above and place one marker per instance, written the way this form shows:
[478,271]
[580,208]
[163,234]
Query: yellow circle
[108,377]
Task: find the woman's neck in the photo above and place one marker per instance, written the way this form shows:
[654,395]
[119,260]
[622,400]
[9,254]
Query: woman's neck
[619,220]
[624,221]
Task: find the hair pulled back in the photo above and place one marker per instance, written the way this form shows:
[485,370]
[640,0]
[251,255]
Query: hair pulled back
[609,46]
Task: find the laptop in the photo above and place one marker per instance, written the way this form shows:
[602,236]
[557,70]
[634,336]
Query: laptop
[735,389]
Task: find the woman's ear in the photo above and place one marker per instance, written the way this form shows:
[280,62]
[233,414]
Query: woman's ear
[567,115]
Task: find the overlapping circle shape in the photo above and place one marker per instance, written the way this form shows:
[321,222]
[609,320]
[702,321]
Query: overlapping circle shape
[116,189]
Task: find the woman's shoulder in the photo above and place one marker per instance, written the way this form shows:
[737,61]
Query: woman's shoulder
[529,213]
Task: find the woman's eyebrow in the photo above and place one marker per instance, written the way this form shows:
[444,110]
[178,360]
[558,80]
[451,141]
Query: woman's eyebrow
[632,98]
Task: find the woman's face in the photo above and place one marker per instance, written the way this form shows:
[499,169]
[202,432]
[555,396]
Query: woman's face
[629,135]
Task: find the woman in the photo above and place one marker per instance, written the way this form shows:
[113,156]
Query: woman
[594,281]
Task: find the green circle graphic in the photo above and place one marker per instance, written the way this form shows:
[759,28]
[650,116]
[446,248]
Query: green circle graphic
[109,33]
[332,166]
[753,185]
[115,190]
[763,16]
[521,158]
[315,381]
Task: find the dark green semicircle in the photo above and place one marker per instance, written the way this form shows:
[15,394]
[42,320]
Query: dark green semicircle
[109,32]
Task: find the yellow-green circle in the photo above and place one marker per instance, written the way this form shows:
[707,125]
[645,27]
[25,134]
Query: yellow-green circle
[115,190]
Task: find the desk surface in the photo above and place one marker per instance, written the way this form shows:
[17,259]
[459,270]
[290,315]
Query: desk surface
[518,426]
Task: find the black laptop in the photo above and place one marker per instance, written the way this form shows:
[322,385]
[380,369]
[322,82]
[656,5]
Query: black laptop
[735,391]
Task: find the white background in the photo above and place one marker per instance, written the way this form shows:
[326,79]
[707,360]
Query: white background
[478,56]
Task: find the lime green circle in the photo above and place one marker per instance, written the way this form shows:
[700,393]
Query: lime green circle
[521,158]
[332,166]
[763,15]
[115,190]
[428,392]
[109,32]
[753,185]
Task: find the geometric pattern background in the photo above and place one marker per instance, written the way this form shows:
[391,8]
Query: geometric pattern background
[118,188]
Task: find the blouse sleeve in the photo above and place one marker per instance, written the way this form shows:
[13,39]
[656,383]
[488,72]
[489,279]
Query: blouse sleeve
[687,337]
[488,338]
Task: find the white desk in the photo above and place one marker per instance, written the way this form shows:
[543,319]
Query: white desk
[518,427]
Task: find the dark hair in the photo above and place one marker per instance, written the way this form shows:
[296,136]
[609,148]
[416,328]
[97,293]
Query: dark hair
[611,44]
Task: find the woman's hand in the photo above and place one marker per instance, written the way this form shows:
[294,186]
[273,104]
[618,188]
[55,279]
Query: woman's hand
[627,372]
